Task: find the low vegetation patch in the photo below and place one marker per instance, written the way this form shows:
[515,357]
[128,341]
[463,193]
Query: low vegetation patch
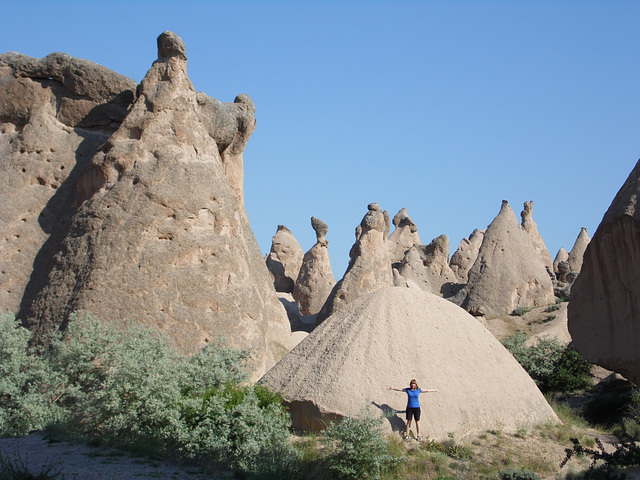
[128,388]
[554,367]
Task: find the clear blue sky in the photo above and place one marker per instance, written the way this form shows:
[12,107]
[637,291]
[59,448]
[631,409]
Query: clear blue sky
[444,107]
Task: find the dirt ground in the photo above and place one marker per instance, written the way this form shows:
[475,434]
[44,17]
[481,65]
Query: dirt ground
[78,461]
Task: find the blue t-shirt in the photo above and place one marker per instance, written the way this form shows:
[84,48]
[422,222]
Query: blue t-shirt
[413,400]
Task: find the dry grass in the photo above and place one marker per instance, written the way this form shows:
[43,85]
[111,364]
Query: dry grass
[484,456]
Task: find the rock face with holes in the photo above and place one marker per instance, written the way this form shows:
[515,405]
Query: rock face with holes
[603,310]
[315,280]
[54,114]
[284,260]
[387,337]
[369,265]
[508,272]
[403,237]
[161,236]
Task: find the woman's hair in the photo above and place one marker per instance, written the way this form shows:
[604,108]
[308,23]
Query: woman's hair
[413,380]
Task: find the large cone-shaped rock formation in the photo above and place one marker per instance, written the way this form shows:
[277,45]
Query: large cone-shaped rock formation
[531,228]
[162,237]
[577,252]
[369,265]
[403,237]
[389,336]
[284,259]
[427,266]
[315,280]
[604,312]
[508,272]
[54,114]
[463,259]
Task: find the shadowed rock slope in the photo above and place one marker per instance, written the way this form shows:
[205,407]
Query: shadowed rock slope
[604,313]
[162,237]
[389,336]
[54,114]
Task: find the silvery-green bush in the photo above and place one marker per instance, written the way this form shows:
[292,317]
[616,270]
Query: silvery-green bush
[128,387]
[26,400]
[360,448]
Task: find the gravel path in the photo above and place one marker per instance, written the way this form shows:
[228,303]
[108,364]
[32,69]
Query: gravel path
[77,461]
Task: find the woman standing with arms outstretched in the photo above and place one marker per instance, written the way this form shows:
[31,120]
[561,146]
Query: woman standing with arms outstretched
[413,405]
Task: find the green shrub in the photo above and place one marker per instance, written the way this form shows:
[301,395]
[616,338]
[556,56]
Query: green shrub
[235,425]
[127,387]
[518,474]
[520,311]
[552,308]
[552,365]
[121,385]
[26,400]
[360,449]
[570,373]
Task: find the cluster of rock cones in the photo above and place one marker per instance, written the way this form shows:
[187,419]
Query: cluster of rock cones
[126,200]
[495,271]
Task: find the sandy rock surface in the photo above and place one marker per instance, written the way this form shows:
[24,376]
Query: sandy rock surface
[391,335]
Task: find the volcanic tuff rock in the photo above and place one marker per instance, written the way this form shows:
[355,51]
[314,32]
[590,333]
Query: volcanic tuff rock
[427,266]
[284,259]
[561,256]
[162,237]
[603,311]
[532,229]
[385,338]
[508,272]
[403,237]
[577,252]
[369,265]
[54,114]
[315,280]
[464,258]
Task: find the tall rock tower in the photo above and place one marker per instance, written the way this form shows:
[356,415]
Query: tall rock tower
[162,237]
[369,266]
[604,313]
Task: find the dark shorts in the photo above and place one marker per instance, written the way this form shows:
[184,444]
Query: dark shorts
[413,412]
